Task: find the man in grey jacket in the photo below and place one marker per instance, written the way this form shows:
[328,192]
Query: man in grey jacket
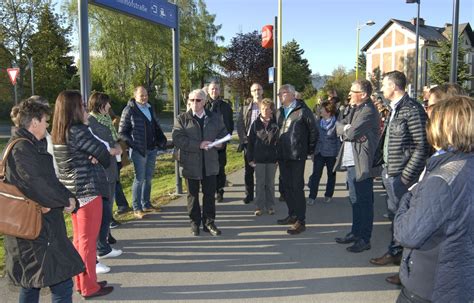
[360,133]
[193,133]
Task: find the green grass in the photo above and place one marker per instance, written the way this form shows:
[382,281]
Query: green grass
[163,185]
[3,142]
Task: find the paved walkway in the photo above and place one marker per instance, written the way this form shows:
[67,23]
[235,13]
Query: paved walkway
[253,261]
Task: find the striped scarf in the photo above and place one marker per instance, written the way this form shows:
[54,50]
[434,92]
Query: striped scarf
[105,120]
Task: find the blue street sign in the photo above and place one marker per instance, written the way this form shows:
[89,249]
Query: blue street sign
[271,75]
[156,11]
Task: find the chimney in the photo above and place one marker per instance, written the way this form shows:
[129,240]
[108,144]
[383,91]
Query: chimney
[447,25]
[422,21]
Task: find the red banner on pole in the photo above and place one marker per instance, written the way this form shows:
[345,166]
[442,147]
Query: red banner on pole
[13,74]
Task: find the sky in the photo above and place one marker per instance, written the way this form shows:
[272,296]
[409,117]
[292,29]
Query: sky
[326,29]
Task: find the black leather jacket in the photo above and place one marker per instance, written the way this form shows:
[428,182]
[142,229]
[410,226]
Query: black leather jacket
[262,142]
[132,129]
[298,133]
[76,170]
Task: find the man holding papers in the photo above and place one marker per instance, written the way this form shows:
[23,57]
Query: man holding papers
[194,134]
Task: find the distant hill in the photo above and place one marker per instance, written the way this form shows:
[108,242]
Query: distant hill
[319,81]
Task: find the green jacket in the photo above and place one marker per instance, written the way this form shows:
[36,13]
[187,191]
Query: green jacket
[187,137]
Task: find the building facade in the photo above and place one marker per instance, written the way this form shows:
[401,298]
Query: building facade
[393,48]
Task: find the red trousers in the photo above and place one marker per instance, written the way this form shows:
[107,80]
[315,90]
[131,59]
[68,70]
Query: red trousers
[86,224]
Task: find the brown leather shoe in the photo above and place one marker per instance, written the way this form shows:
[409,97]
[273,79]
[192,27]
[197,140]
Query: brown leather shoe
[386,259]
[138,214]
[296,228]
[395,279]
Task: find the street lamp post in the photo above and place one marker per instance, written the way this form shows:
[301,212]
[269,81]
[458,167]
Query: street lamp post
[453,78]
[417,39]
[359,26]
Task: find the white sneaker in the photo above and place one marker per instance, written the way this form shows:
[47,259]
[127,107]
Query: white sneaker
[101,268]
[327,199]
[112,254]
[310,201]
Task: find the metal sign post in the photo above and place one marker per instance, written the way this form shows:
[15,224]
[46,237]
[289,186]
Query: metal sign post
[179,185]
[13,74]
[156,11]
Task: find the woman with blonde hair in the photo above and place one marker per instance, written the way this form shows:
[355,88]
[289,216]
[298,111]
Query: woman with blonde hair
[434,223]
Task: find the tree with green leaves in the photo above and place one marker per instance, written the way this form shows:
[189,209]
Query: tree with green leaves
[17,23]
[439,68]
[246,62]
[340,80]
[362,65]
[130,52]
[49,47]
[295,69]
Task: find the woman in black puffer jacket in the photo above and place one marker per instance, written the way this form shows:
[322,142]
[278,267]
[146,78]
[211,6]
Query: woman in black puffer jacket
[77,152]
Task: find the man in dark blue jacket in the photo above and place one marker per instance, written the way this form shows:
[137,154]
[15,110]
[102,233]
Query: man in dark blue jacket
[139,128]
[298,137]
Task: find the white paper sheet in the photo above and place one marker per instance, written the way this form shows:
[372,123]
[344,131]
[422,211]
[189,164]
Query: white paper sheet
[221,140]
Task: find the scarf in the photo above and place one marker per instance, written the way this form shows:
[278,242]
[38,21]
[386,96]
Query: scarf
[105,120]
[327,124]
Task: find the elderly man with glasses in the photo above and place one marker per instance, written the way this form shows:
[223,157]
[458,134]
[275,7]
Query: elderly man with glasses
[360,133]
[193,132]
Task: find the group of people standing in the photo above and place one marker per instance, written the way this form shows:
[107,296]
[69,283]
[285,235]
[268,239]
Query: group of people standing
[425,161]
[422,154]
[76,170]
[271,137]
[423,158]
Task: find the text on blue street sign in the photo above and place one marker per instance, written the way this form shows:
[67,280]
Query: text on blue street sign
[156,11]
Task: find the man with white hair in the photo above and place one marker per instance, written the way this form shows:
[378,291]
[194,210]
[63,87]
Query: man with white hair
[193,132]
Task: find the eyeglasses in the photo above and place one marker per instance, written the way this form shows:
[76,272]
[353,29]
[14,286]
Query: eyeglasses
[282,93]
[195,100]
[356,91]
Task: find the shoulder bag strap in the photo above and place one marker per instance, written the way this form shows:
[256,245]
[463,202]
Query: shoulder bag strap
[3,164]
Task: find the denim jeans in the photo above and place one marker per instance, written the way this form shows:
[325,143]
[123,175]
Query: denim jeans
[60,293]
[103,246]
[120,199]
[141,187]
[361,196]
[318,165]
[395,191]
